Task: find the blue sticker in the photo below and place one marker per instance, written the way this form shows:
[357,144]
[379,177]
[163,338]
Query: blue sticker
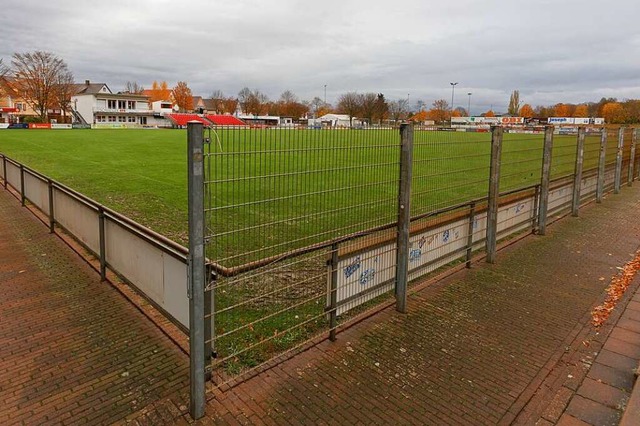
[445,236]
[367,276]
[415,254]
[352,268]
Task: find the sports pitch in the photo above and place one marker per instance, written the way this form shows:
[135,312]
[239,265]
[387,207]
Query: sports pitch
[281,185]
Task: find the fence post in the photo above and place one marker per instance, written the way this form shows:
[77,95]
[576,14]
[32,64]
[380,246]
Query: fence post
[52,218]
[544,180]
[333,296]
[4,171]
[577,181]
[632,157]
[103,251]
[472,215]
[22,196]
[196,269]
[601,166]
[404,216]
[618,176]
[494,193]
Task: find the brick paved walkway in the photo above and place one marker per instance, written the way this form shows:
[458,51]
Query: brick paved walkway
[500,344]
[72,349]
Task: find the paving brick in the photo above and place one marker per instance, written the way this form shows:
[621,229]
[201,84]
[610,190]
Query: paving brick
[617,361]
[69,336]
[623,348]
[498,344]
[603,394]
[592,412]
[568,420]
[617,378]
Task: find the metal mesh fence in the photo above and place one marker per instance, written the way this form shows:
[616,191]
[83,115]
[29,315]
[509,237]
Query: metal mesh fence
[302,225]
[282,200]
[521,162]
[450,168]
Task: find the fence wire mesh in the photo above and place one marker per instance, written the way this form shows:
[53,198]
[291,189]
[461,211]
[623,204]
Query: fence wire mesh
[282,199]
[301,225]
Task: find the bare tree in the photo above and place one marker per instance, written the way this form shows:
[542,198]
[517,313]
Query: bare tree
[252,101]
[3,69]
[37,75]
[351,104]
[133,87]
[63,92]
[315,104]
[398,110]
[368,106]
[217,94]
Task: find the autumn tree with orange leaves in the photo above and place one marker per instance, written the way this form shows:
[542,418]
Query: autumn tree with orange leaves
[581,111]
[159,92]
[440,111]
[562,110]
[183,97]
[526,111]
[613,112]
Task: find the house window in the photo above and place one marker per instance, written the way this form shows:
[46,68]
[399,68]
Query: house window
[122,104]
[131,104]
[112,119]
[101,119]
[143,120]
[122,119]
[111,104]
[131,119]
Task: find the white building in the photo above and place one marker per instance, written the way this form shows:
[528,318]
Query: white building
[95,104]
[334,120]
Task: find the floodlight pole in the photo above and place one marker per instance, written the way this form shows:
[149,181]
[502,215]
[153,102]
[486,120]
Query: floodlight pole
[453,89]
[469,105]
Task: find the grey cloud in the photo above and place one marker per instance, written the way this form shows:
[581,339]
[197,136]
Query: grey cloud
[569,51]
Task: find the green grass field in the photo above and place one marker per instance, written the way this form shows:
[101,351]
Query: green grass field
[275,190]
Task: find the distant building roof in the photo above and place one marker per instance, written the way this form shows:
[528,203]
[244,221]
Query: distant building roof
[88,88]
[225,120]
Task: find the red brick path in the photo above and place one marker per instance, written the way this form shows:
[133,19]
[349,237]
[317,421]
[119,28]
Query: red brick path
[500,344]
[72,349]
[508,343]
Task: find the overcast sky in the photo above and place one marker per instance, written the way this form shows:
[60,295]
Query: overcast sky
[552,51]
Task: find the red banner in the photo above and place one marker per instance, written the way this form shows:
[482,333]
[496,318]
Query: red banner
[39,125]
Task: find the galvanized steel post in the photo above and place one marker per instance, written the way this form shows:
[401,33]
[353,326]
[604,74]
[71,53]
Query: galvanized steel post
[494,193]
[196,269]
[52,218]
[22,196]
[618,176]
[601,166]
[103,251]
[472,215]
[545,179]
[4,171]
[577,181]
[333,295]
[404,216]
[632,157]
